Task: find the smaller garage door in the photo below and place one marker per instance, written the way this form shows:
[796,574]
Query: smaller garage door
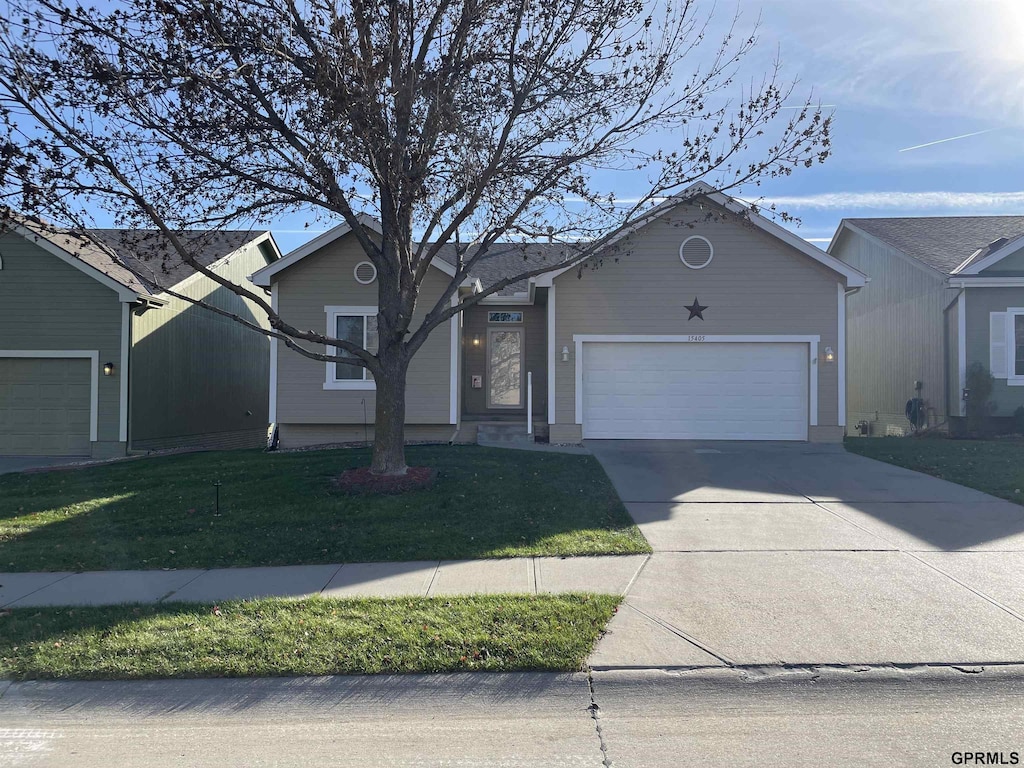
[698,391]
[44,406]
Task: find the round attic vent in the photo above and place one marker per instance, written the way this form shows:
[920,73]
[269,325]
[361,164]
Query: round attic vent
[696,252]
[365,273]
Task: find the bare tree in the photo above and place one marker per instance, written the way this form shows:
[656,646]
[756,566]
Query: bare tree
[472,122]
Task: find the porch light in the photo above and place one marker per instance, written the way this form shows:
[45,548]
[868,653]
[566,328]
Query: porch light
[476,341]
[108,369]
[829,355]
[565,354]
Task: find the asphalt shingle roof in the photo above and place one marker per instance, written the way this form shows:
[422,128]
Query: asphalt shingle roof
[509,259]
[942,242]
[140,260]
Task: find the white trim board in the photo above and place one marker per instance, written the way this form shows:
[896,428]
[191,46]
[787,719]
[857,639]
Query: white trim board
[94,376]
[453,381]
[552,354]
[272,405]
[854,278]
[812,361]
[986,282]
[126,325]
[841,356]
[961,343]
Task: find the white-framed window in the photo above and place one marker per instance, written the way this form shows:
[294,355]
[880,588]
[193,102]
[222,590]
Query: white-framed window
[359,326]
[1016,338]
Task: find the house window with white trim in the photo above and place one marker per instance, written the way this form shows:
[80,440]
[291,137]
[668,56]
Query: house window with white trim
[357,325]
[1017,330]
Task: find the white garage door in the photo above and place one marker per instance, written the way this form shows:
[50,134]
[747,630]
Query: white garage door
[695,391]
[44,407]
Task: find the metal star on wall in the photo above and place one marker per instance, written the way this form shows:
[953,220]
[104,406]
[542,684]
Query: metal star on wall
[696,310]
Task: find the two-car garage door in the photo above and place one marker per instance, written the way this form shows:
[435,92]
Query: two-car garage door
[44,406]
[695,391]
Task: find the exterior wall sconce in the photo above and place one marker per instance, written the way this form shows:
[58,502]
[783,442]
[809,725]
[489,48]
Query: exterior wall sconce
[830,356]
[476,341]
[108,369]
[565,354]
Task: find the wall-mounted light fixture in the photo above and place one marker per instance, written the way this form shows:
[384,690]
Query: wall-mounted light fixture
[565,354]
[829,355]
[108,369]
[476,341]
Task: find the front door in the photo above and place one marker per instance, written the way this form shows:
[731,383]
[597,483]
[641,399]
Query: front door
[505,368]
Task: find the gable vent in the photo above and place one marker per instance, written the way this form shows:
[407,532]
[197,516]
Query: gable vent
[365,272]
[696,252]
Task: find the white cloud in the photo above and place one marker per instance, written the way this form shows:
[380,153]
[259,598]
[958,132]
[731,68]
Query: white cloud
[984,202]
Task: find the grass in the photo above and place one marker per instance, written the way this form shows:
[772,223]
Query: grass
[281,509]
[993,466]
[318,636]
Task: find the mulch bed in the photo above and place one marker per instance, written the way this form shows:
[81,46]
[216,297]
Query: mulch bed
[361,480]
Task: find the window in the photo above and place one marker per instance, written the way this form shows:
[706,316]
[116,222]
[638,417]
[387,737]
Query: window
[359,326]
[1017,329]
[504,317]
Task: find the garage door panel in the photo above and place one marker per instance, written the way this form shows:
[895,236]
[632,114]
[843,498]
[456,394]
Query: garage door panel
[45,406]
[702,391]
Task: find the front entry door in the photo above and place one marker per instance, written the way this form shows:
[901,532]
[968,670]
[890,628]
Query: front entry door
[505,368]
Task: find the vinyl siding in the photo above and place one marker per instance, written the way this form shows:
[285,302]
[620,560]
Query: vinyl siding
[475,358]
[1012,265]
[199,378]
[47,304]
[324,279]
[980,302]
[754,285]
[895,336]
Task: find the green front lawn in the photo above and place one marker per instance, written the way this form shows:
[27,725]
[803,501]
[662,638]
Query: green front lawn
[317,636]
[282,509]
[992,466]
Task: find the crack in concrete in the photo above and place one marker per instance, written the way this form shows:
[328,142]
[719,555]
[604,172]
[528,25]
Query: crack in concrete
[682,635]
[595,715]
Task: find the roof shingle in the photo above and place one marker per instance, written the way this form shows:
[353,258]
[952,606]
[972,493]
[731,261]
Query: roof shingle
[941,242]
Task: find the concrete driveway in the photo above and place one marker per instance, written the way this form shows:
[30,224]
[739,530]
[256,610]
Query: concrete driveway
[10,464]
[792,553]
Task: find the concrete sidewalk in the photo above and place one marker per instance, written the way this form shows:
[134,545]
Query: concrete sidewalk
[529,575]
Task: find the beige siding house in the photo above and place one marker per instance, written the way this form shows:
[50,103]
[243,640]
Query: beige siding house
[707,321]
[96,360]
[945,293]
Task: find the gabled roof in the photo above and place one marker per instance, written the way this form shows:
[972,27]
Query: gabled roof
[947,244]
[854,278]
[262,277]
[135,262]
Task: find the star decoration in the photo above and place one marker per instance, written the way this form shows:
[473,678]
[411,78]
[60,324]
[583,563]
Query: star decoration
[696,310]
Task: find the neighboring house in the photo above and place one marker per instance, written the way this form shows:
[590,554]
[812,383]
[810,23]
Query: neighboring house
[705,321]
[95,360]
[945,292]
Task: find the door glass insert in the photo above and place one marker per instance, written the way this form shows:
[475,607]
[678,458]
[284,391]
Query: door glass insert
[505,368]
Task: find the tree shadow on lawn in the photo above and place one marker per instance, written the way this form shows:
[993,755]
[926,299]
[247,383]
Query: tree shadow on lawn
[279,509]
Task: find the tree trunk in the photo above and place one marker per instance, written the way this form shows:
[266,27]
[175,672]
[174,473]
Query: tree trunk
[389,421]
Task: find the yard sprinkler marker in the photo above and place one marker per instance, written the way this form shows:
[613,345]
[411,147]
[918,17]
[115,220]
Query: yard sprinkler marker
[216,487]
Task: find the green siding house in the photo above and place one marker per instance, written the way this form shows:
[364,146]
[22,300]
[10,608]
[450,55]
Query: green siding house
[98,359]
[945,293]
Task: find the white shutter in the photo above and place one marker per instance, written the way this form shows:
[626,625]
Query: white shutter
[997,344]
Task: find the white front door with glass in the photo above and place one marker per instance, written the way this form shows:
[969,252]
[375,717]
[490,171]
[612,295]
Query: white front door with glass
[505,368]
[359,326]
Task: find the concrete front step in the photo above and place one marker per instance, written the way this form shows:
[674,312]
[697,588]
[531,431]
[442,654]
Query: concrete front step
[503,434]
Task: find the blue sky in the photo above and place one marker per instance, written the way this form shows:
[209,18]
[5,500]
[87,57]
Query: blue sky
[901,73]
